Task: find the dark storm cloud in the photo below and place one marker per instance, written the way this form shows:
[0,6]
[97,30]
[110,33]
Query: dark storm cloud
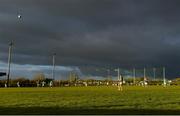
[114,32]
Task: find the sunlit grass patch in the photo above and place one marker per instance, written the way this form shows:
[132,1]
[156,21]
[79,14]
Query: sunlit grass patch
[90,100]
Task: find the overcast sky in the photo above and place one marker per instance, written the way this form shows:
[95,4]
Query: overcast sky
[124,33]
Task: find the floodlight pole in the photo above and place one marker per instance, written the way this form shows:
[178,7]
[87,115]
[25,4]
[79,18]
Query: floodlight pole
[118,73]
[144,74]
[53,60]
[164,76]
[134,75]
[9,62]
[108,71]
[154,73]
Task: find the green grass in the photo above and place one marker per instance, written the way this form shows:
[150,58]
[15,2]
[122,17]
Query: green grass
[90,100]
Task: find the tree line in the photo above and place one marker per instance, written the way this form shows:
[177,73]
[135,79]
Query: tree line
[40,80]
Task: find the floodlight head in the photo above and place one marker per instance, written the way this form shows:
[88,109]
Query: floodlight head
[54,54]
[19,16]
[11,43]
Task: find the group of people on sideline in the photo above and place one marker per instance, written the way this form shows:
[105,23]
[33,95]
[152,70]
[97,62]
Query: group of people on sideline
[39,84]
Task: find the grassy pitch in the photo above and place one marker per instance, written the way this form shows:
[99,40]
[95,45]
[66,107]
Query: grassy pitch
[91,100]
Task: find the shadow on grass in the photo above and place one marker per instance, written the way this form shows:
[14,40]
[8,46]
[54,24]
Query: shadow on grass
[76,111]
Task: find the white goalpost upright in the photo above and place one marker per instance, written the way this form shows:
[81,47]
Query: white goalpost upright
[119,84]
[145,79]
[134,76]
[53,69]
[154,73]
[164,77]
